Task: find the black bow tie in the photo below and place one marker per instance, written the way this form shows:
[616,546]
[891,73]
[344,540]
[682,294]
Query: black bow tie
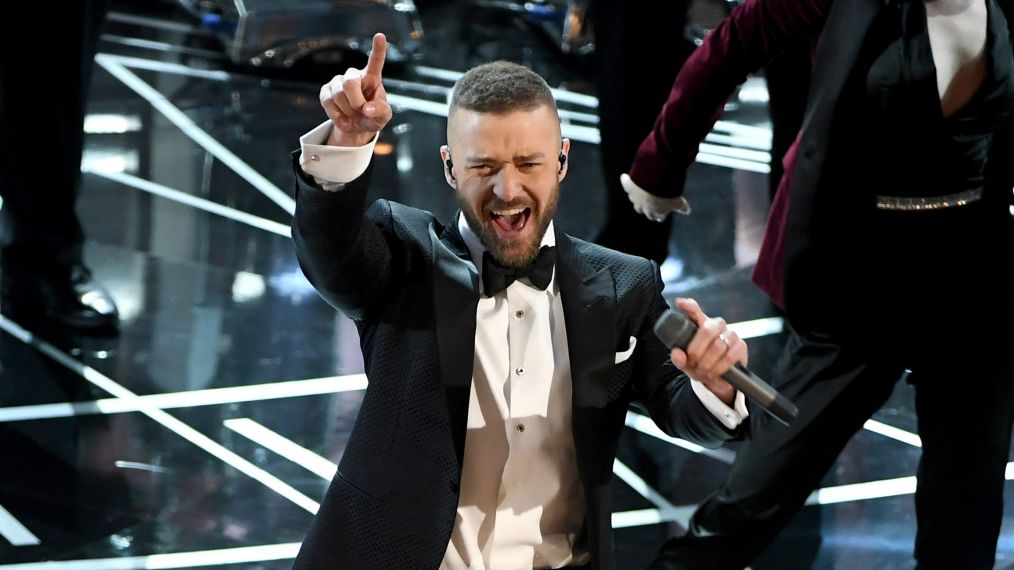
[496,277]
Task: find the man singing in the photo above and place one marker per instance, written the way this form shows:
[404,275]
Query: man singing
[502,354]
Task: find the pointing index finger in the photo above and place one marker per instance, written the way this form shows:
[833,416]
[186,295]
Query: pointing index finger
[377,56]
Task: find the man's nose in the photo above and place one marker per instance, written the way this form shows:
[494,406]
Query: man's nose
[508,184]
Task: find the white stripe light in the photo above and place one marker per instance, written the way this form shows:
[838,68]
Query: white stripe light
[14,532]
[199,135]
[283,446]
[240,555]
[170,422]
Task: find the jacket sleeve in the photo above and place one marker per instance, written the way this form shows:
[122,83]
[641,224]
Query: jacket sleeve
[741,44]
[665,392]
[345,252]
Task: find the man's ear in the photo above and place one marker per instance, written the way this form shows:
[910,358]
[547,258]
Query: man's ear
[564,162]
[445,156]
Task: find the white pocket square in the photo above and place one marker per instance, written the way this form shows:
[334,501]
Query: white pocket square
[621,356]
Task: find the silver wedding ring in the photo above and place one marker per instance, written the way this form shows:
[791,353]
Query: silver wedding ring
[724,339]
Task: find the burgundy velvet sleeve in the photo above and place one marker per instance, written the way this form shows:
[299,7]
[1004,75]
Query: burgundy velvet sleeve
[742,43]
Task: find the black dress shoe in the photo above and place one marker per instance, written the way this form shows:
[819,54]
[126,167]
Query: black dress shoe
[67,296]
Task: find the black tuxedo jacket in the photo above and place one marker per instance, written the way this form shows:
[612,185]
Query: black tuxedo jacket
[409,284]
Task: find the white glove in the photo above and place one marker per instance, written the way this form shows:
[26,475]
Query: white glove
[650,206]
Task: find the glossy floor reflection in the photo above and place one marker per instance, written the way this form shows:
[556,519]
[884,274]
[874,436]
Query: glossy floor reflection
[206,432]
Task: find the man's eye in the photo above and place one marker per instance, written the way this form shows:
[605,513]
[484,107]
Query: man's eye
[529,165]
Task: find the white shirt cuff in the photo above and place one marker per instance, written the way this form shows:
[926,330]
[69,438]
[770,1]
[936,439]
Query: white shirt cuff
[730,417]
[333,166]
[651,206]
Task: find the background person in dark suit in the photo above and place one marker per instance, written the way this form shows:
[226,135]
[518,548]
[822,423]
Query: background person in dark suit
[889,245]
[626,33]
[487,435]
[42,105]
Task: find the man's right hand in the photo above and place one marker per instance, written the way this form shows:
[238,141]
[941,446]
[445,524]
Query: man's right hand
[356,101]
[712,351]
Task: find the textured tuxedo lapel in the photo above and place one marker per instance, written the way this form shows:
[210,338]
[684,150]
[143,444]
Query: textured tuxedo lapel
[589,309]
[455,299]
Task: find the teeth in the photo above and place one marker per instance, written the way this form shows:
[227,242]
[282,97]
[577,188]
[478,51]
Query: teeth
[513,212]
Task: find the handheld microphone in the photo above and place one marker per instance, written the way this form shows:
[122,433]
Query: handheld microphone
[676,330]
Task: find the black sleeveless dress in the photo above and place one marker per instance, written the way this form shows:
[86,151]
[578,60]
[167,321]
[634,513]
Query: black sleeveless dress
[941,246]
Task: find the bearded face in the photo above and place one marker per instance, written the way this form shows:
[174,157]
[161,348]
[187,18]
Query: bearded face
[511,231]
[507,173]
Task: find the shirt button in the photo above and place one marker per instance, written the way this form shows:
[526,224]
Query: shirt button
[520,428]
[727,414]
[314,157]
[519,371]
[519,314]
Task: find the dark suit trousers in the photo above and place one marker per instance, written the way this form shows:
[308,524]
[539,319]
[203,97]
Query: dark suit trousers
[43,100]
[627,35]
[965,419]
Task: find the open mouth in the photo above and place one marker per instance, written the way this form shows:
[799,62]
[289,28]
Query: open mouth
[510,222]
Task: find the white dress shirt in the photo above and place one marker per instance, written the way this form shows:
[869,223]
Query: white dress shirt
[521,504]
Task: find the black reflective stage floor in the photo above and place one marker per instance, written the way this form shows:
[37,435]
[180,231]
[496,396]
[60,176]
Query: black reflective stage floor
[206,433]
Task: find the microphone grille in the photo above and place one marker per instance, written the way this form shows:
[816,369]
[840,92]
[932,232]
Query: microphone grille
[675,329]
